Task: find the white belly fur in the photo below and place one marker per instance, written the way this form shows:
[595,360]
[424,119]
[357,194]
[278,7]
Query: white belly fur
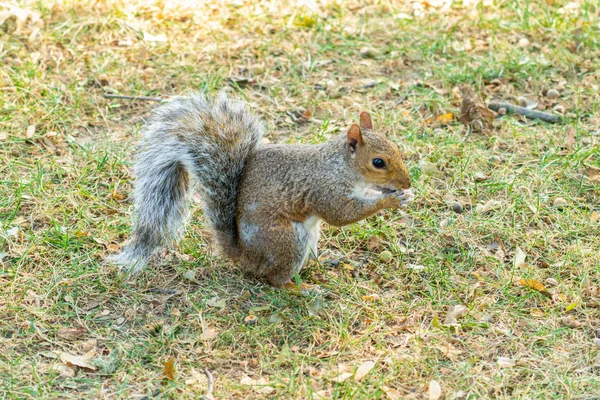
[312,224]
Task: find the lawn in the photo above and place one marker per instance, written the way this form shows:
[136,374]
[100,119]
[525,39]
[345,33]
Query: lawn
[487,286]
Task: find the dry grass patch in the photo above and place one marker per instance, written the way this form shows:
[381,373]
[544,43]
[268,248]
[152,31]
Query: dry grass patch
[445,295]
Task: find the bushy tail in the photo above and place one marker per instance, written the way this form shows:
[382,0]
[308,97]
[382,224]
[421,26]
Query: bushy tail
[189,138]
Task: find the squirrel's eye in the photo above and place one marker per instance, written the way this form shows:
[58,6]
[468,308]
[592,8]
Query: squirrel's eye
[378,163]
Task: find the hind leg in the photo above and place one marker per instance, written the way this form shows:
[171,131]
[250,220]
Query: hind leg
[276,252]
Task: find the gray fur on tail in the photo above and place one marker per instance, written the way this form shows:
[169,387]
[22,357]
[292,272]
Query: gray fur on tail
[189,139]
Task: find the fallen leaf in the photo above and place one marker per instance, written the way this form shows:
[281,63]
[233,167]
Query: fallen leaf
[64,370]
[480,177]
[570,322]
[363,370]
[571,306]
[560,202]
[30,131]
[342,377]
[448,350]
[454,313]
[415,267]
[260,385]
[13,232]
[392,394]
[216,302]
[594,217]
[570,139]
[71,333]
[520,257]
[535,285]
[443,119]
[593,174]
[208,334]
[371,297]
[113,248]
[489,206]
[169,369]
[435,390]
[79,361]
[536,312]
[505,362]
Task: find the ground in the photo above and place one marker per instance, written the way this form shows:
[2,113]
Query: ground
[494,297]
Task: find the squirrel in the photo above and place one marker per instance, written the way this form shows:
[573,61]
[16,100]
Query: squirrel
[263,202]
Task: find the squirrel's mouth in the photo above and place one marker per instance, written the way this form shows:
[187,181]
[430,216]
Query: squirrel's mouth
[384,190]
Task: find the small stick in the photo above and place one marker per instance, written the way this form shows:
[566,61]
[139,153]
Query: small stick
[211,384]
[142,98]
[512,109]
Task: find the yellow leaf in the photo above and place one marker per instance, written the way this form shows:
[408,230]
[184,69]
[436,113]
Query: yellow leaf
[594,217]
[370,297]
[535,285]
[436,322]
[571,306]
[169,369]
[443,119]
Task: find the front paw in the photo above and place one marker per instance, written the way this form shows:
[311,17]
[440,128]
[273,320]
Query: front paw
[400,198]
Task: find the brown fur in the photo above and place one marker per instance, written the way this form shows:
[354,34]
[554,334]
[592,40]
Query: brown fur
[283,184]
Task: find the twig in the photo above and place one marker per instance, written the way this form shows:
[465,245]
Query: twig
[142,98]
[211,384]
[512,109]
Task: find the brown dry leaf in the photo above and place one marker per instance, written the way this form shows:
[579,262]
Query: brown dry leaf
[363,370]
[570,139]
[593,174]
[435,390]
[208,333]
[535,285]
[113,248]
[392,394]
[448,350]
[536,312]
[487,207]
[342,377]
[454,313]
[570,322]
[474,112]
[594,217]
[169,369]
[79,361]
[64,370]
[71,333]
[259,385]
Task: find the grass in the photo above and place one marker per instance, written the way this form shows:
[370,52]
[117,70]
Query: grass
[65,186]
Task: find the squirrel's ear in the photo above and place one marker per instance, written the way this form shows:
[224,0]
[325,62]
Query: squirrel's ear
[365,121]
[354,137]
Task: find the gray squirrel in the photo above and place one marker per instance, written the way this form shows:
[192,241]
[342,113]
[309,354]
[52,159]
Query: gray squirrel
[264,202]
